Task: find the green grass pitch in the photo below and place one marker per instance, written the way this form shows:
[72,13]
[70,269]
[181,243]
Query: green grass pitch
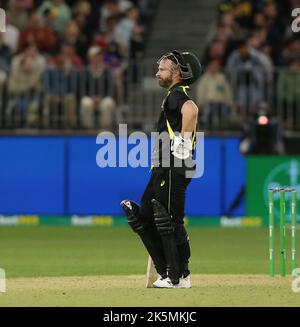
[105,266]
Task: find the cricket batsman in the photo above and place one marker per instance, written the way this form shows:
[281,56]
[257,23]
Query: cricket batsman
[159,221]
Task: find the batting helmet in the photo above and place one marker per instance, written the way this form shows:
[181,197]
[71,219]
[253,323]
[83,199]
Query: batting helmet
[188,64]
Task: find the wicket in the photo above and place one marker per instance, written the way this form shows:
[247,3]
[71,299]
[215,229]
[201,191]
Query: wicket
[282,192]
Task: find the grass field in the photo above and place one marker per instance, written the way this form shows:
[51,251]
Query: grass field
[91,266]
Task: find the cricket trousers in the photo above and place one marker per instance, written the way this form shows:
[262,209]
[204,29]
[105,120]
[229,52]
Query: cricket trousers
[169,188]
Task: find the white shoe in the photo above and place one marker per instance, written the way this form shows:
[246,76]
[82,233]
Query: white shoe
[184,282]
[163,283]
[166,283]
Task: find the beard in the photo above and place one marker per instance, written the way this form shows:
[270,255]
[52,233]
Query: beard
[166,82]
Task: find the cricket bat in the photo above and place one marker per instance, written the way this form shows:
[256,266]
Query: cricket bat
[151,273]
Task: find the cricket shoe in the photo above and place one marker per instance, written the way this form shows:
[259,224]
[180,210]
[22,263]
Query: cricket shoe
[163,283]
[185,282]
[166,283]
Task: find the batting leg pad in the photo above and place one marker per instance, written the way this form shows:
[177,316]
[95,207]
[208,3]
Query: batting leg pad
[131,210]
[166,230]
[183,247]
[148,236]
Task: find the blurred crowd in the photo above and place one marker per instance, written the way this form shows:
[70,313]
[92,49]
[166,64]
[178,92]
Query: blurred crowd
[63,63]
[60,55]
[252,60]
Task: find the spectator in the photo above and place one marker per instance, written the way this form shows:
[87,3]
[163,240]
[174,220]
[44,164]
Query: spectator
[243,12]
[288,92]
[71,56]
[226,31]
[263,51]
[126,28]
[84,34]
[41,35]
[103,39]
[222,34]
[259,20]
[11,35]
[98,92]
[60,10]
[60,86]
[70,32]
[113,55]
[110,8]
[215,51]
[144,8]
[24,85]
[82,7]
[5,56]
[276,24]
[136,43]
[247,74]
[214,96]
[70,35]
[290,52]
[47,18]
[113,58]
[259,34]
[124,5]
[276,27]
[18,13]
[93,19]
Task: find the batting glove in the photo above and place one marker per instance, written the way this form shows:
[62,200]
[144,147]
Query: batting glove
[181,148]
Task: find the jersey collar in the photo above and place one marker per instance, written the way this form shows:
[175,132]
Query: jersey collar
[176,85]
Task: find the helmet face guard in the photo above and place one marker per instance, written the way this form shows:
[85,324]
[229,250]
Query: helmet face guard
[187,63]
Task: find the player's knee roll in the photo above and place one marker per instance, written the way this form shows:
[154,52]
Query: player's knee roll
[162,218]
[131,210]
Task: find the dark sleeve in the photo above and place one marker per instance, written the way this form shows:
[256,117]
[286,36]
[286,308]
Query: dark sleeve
[176,100]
